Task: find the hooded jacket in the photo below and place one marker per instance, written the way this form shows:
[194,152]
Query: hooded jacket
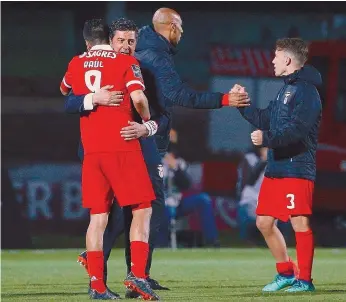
[290,125]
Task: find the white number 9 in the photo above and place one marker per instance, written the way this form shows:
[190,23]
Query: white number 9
[292,205]
[97,83]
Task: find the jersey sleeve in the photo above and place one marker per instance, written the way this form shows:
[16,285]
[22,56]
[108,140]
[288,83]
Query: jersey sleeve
[133,76]
[66,83]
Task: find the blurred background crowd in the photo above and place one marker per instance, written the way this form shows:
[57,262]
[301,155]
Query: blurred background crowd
[212,172]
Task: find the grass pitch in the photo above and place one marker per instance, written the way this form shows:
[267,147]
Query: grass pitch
[192,274]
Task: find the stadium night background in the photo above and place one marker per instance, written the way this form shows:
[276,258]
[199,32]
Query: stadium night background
[223,43]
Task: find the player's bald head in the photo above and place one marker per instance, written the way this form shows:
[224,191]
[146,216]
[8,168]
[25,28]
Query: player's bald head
[165,15]
[167,22]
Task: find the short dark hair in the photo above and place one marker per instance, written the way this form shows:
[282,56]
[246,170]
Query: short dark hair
[122,24]
[96,31]
[298,47]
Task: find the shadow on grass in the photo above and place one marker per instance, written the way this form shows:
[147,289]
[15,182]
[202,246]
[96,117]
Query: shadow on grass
[266,297]
[46,285]
[284,294]
[332,284]
[9,295]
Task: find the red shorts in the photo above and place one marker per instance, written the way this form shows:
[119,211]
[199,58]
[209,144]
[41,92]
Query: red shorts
[283,197]
[120,174]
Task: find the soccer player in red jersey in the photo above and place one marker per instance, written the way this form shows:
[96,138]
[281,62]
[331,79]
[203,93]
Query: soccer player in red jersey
[112,166]
[289,128]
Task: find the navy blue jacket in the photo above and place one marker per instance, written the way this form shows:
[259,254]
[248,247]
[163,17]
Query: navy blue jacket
[164,87]
[290,125]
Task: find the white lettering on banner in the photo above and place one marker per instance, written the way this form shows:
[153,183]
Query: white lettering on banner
[241,61]
[18,187]
[39,195]
[72,205]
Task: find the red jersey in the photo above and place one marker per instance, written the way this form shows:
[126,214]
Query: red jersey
[101,66]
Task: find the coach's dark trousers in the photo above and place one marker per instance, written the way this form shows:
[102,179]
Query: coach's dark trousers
[119,221]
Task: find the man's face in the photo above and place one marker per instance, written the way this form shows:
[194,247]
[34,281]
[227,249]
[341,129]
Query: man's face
[124,42]
[280,62]
[176,30]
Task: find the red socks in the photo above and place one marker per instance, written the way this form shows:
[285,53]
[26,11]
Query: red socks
[285,268]
[139,257]
[305,254]
[95,269]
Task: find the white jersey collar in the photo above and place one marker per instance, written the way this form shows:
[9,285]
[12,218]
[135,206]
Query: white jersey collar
[101,47]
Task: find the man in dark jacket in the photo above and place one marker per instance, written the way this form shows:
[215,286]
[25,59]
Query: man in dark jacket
[164,88]
[289,128]
[155,50]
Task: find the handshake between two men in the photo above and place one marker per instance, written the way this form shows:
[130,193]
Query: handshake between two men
[236,97]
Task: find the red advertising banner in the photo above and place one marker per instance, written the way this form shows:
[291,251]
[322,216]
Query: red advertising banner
[241,61]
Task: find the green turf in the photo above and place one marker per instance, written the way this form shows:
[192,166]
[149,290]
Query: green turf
[193,275]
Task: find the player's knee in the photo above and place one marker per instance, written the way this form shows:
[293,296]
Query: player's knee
[143,210]
[300,223]
[99,221]
[264,223]
[140,227]
[148,212]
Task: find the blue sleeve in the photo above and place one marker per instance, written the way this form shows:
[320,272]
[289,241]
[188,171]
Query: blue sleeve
[162,121]
[74,103]
[304,116]
[173,88]
[260,118]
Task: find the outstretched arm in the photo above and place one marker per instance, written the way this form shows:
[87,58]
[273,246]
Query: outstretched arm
[260,118]
[173,88]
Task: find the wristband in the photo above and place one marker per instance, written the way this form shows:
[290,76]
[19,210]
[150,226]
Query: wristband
[151,126]
[88,102]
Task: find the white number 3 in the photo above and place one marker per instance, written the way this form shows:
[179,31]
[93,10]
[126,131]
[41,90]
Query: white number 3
[97,82]
[292,205]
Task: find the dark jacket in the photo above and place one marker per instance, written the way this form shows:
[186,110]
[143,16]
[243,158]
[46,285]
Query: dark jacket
[290,125]
[164,87]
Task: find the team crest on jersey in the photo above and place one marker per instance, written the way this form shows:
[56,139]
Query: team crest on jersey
[287,97]
[160,170]
[136,71]
[288,94]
